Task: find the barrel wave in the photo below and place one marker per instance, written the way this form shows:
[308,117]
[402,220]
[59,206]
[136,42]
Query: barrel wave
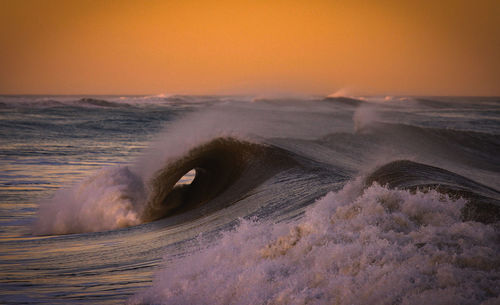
[226,170]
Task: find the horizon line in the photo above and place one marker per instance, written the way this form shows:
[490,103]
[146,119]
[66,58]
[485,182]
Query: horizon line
[279,95]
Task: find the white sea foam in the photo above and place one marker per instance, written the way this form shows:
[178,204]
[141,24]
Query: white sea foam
[110,199]
[372,246]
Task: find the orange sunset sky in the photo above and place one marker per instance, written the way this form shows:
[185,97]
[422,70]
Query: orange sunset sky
[249,47]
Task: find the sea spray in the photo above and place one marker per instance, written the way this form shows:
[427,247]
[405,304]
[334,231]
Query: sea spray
[363,116]
[110,199]
[354,246]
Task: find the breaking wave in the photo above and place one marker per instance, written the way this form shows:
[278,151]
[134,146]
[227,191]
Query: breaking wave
[116,197]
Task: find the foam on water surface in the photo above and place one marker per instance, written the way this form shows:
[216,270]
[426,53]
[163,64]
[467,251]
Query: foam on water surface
[354,246]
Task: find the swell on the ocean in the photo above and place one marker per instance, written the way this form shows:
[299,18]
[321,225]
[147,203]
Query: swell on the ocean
[380,200]
[360,245]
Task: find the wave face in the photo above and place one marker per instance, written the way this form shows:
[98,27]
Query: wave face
[225,168]
[339,200]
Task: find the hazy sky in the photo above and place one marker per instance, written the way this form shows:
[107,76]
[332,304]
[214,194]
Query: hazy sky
[221,47]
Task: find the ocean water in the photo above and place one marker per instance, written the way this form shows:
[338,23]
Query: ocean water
[246,200]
